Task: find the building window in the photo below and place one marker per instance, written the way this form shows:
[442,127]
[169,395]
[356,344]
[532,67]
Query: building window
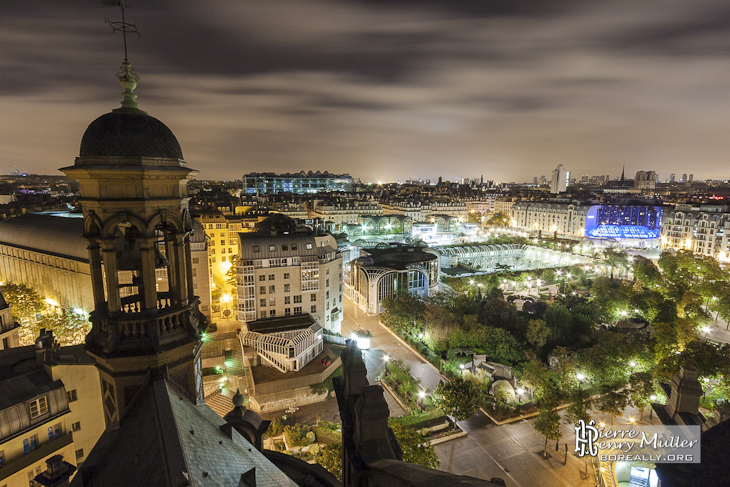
[271,277]
[256,248]
[272,313]
[327,295]
[287,288]
[262,314]
[298,298]
[72,396]
[76,426]
[223,242]
[314,308]
[38,407]
[272,301]
[287,299]
[293,246]
[309,246]
[262,278]
[286,275]
[196,260]
[272,289]
[262,289]
[79,453]
[297,310]
[285,247]
[327,282]
[313,297]
[272,248]
[263,302]
[287,311]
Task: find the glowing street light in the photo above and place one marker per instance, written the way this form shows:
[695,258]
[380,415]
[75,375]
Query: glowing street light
[580,376]
[421,394]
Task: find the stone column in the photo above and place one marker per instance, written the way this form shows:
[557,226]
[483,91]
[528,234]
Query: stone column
[149,278]
[112,279]
[97,275]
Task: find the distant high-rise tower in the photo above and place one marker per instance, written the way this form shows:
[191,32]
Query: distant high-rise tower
[559,180]
[133,188]
[671,178]
[684,178]
[691,178]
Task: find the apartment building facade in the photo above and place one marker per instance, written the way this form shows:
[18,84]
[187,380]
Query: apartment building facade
[287,273]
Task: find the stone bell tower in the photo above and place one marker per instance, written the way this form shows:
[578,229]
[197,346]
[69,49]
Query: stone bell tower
[134,197]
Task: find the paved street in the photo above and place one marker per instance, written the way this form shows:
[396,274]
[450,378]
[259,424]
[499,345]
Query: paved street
[383,343]
[511,452]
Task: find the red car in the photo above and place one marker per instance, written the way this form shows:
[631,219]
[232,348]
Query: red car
[326,361]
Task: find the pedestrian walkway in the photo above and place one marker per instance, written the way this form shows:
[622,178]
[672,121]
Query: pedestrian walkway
[717,331]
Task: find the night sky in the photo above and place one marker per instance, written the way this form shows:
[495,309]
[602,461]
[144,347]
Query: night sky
[383,89]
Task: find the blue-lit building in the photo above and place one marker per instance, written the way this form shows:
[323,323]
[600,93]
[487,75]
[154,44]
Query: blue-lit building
[629,225]
[298,183]
[623,222]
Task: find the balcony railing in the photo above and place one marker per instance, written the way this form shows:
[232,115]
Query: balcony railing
[21,463]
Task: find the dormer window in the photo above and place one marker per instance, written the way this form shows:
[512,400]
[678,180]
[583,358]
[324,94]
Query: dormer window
[38,407]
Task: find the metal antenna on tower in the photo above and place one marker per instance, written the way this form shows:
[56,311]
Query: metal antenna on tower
[124,27]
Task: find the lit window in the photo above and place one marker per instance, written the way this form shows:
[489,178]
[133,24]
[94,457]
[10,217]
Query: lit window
[38,407]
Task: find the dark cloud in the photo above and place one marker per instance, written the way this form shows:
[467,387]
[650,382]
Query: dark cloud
[382,89]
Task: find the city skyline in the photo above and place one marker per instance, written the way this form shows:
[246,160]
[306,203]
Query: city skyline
[385,92]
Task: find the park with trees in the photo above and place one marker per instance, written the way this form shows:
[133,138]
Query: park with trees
[33,313]
[602,342]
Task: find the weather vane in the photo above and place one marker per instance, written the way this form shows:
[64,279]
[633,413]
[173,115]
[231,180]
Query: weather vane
[124,27]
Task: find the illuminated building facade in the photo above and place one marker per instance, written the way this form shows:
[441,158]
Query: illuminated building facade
[285,272]
[298,183]
[635,225]
[222,230]
[386,272]
[704,230]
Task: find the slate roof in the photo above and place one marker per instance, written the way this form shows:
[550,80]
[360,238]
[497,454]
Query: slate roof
[18,386]
[397,258]
[250,240]
[286,323]
[165,439]
[129,133]
[714,469]
[51,235]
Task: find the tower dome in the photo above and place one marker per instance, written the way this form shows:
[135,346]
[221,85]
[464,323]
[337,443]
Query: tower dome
[129,131]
